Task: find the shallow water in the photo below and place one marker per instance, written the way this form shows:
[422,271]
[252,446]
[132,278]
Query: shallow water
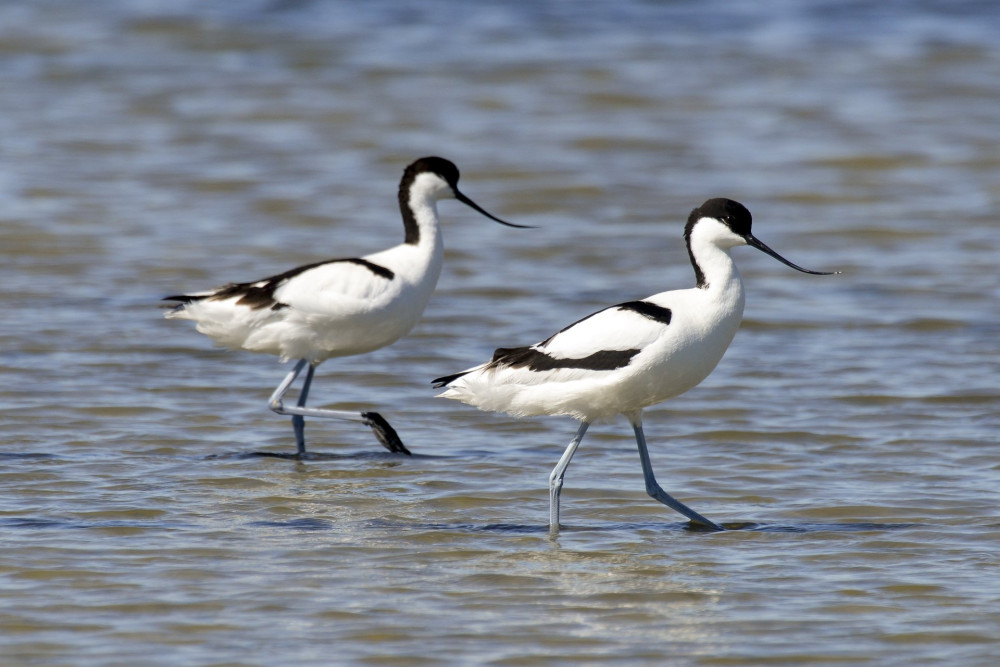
[848,437]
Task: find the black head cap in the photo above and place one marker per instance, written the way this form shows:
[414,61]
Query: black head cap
[446,169]
[731,213]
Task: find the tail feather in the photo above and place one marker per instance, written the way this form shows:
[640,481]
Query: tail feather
[437,383]
[181,301]
[183,298]
[502,356]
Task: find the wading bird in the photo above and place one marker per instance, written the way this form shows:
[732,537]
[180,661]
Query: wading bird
[627,357]
[338,307]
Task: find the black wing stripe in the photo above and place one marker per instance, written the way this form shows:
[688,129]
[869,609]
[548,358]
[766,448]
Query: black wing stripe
[536,360]
[647,309]
[260,293]
[377,269]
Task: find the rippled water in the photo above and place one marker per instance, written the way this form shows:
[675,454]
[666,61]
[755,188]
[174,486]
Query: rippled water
[849,434]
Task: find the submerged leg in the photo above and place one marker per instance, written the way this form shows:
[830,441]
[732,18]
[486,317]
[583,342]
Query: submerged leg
[654,489]
[298,421]
[557,475]
[385,434]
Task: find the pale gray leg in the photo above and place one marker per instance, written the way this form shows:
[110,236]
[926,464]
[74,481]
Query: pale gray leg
[557,475]
[654,489]
[385,434]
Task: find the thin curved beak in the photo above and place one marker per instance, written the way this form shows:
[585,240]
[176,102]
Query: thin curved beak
[476,207]
[754,242]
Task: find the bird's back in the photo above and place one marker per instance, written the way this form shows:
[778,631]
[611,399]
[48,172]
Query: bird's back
[620,359]
[327,309]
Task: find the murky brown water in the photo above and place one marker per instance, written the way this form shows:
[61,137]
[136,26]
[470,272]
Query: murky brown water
[850,433]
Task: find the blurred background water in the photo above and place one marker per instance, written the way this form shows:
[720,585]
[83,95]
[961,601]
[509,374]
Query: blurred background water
[152,147]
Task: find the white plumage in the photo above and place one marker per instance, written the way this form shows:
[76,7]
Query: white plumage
[627,357]
[335,309]
[338,307]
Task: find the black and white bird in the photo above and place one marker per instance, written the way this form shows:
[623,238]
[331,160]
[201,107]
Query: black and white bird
[338,307]
[622,359]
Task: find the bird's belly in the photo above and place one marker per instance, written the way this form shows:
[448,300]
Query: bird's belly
[320,337]
[675,367]
[658,373]
[301,333]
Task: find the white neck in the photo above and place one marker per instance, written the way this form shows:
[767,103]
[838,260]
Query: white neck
[717,267]
[418,205]
[425,215]
[426,255]
[709,244]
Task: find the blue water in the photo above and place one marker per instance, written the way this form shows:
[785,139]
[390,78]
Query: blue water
[847,437]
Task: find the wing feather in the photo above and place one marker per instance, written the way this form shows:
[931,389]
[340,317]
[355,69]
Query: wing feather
[626,326]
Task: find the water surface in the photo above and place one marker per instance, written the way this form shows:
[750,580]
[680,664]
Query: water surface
[848,436]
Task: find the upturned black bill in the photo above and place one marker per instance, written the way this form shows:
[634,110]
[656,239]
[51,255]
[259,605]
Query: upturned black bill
[476,207]
[752,241]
